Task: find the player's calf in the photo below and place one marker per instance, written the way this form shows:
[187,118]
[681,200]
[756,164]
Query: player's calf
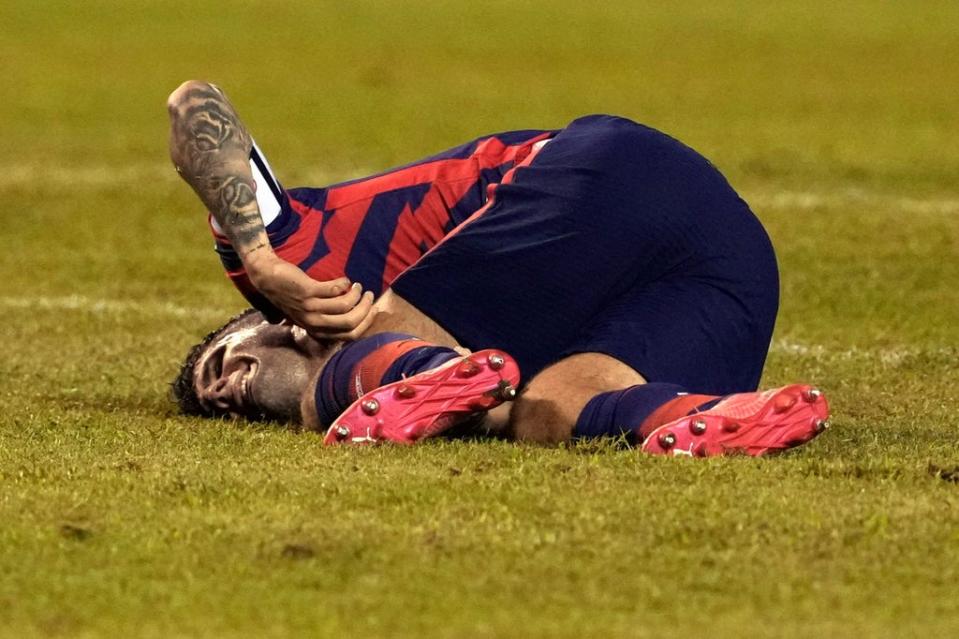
[549,408]
[591,395]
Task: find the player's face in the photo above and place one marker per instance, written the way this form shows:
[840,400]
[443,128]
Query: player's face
[258,369]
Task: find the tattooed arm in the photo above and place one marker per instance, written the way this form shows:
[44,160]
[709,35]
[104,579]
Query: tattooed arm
[211,151]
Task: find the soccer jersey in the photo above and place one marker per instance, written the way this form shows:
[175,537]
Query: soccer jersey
[372,229]
[611,238]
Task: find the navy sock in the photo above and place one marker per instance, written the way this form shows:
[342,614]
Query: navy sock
[365,364]
[416,361]
[622,412]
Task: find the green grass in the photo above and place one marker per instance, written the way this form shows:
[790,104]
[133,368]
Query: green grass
[117,517]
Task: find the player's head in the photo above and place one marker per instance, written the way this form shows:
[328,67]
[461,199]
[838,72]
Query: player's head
[249,368]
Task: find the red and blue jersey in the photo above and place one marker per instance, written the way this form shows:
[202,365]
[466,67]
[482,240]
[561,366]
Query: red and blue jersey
[613,238]
[374,228]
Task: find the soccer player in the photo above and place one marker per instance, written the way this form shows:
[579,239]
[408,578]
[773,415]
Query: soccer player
[614,267]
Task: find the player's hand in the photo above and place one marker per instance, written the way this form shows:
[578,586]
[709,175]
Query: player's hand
[334,309]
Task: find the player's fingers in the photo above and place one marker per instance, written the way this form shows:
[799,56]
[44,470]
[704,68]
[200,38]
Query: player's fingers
[343,322]
[331,288]
[357,332]
[335,305]
[352,318]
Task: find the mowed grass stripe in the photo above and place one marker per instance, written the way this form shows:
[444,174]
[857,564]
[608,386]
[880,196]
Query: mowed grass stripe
[120,309]
[16,177]
[111,307]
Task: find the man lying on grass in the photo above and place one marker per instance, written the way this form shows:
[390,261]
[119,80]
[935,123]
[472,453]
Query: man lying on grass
[609,264]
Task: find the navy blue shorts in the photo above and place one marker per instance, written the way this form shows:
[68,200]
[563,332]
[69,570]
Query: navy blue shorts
[614,239]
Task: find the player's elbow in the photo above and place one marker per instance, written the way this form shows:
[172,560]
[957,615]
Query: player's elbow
[186,92]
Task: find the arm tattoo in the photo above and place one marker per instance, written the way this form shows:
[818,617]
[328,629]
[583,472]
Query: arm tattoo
[211,150]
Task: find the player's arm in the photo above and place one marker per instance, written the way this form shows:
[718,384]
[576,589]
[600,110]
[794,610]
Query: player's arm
[210,148]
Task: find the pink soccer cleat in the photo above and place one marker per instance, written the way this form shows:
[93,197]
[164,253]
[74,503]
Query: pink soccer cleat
[428,403]
[750,423]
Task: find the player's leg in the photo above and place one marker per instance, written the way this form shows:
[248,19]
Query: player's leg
[697,336]
[588,395]
[617,241]
[566,234]
[552,402]
[397,387]
[591,394]
[396,315]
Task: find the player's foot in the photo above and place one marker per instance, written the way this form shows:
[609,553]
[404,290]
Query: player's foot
[428,403]
[746,423]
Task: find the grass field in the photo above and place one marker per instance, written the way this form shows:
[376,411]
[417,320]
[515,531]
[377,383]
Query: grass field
[838,122]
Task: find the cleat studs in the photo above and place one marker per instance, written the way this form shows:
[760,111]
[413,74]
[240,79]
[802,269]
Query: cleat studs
[701,450]
[505,391]
[730,427]
[468,368]
[697,427]
[812,394]
[821,425]
[370,406]
[405,391]
[496,361]
[667,440]
[342,432]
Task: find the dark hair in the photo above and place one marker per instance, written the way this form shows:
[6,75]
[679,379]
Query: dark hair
[182,387]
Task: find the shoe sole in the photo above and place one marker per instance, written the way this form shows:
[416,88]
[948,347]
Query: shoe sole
[790,416]
[428,403]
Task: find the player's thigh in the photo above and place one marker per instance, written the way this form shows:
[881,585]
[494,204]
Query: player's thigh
[396,315]
[606,206]
[709,336]
[505,278]
[548,408]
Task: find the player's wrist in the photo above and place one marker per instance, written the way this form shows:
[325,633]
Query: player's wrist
[260,262]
